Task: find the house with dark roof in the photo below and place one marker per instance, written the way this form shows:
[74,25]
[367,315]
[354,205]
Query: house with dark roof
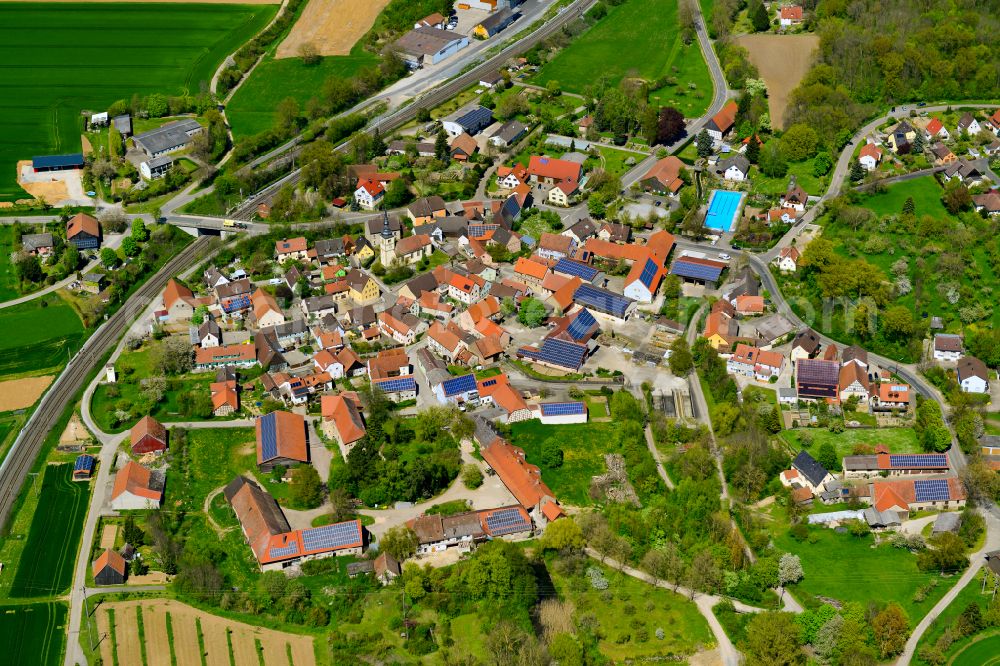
[469,120]
[508,134]
[817,379]
[891,464]
[168,138]
[972,374]
[811,474]
[806,344]
[947,347]
[37,244]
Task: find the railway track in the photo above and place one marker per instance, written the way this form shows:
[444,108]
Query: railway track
[28,445]
[391,120]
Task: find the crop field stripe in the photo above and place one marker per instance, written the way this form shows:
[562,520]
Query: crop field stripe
[46,566]
[32,633]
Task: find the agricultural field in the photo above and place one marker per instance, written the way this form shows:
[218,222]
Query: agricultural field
[630,619]
[333,27]
[53,542]
[654,50]
[8,277]
[59,59]
[899,440]
[252,107]
[33,633]
[40,334]
[160,632]
[583,446]
[782,61]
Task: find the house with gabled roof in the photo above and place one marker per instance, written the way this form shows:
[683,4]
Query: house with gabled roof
[789,15]
[497,391]
[148,436]
[817,379]
[870,156]
[84,231]
[969,124]
[342,418]
[723,121]
[910,495]
[947,347]
[225,397]
[265,311]
[291,248]
[788,258]
[664,177]
[109,568]
[178,300]
[806,344]
[445,341]
[808,473]
[854,381]
[136,487]
[936,130]
[282,439]
[972,374]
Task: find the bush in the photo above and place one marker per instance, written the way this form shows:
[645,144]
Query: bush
[472,477]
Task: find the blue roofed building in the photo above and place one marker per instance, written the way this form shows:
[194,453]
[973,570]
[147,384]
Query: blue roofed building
[604,302]
[84,467]
[558,354]
[57,162]
[571,268]
[470,120]
[461,391]
[700,270]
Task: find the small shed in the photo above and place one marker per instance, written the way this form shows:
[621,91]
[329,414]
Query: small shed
[109,568]
[946,522]
[83,468]
[355,569]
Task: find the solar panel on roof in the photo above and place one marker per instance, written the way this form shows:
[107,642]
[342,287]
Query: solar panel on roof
[268,436]
[919,460]
[397,384]
[83,463]
[576,269]
[602,300]
[899,387]
[337,535]
[562,353]
[932,490]
[648,272]
[581,325]
[286,551]
[506,521]
[490,382]
[562,408]
[457,385]
[695,271]
[529,353]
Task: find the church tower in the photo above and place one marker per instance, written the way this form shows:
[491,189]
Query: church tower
[387,242]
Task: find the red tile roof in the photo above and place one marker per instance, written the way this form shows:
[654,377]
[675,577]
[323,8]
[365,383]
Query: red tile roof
[412,244]
[725,118]
[148,426]
[345,417]
[135,479]
[81,222]
[522,479]
[109,558]
[224,393]
[530,268]
[793,12]
[290,433]
[236,353]
[289,245]
[889,493]
[560,171]
[444,337]
[175,291]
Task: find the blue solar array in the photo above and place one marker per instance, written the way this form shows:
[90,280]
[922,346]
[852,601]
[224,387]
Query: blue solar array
[563,408]
[237,303]
[602,300]
[85,463]
[287,551]
[648,273]
[337,535]
[269,436]
[919,460]
[581,325]
[457,385]
[576,269]
[507,521]
[932,490]
[529,353]
[397,384]
[489,382]
[564,354]
[695,271]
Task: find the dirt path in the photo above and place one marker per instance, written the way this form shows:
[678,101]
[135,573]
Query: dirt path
[782,61]
[332,26]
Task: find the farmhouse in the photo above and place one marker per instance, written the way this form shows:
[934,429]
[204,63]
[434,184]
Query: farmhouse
[136,487]
[156,167]
[906,495]
[275,545]
[342,419]
[806,472]
[947,347]
[429,46]
[225,397]
[83,231]
[148,436]
[436,533]
[109,568]
[236,356]
[734,168]
[169,138]
[281,440]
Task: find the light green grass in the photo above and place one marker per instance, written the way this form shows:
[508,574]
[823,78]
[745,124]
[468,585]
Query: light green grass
[638,38]
[59,59]
[252,107]
[214,456]
[926,195]
[984,651]
[801,171]
[613,161]
[899,440]
[52,542]
[651,607]
[970,594]
[848,568]
[583,446]
[33,633]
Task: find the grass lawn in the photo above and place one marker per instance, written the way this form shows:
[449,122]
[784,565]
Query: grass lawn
[60,59]
[52,542]
[596,408]
[654,49]
[926,195]
[636,607]
[803,173]
[8,278]
[583,446]
[983,650]
[210,459]
[613,161]
[38,335]
[848,568]
[252,108]
[899,440]
[969,594]
[33,633]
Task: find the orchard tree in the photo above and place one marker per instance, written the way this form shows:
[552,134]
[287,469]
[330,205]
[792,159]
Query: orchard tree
[400,542]
[681,361]
[891,628]
[563,534]
[773,640]
[789,569]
